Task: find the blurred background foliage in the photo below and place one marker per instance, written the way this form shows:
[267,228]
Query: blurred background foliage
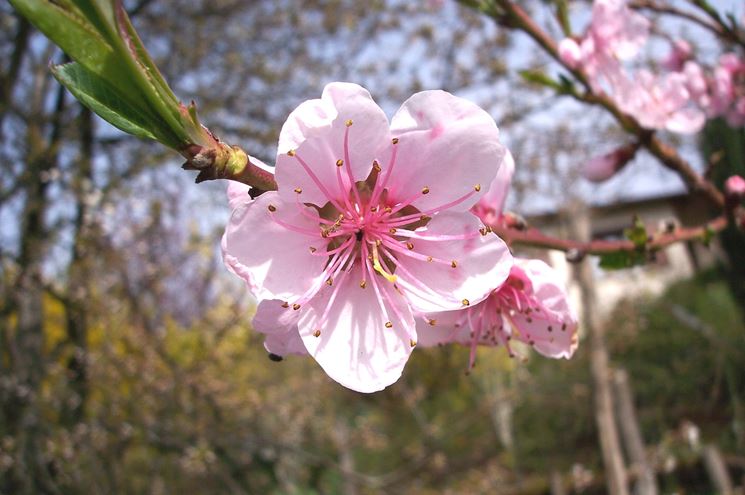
[127,363]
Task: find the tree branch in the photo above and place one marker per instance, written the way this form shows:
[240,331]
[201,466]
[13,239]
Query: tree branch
[533,237]
[514,16]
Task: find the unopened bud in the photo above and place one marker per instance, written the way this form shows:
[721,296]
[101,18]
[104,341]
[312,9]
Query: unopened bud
[602,168]
[679,54]
[735,186]
[570,53]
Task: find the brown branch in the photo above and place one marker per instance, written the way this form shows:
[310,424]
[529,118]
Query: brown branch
[663,8]
[535,238]
[516,17]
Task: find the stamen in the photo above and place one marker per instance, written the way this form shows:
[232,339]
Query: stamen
[295,307]
[271,208]
[394,140]
[339,162]
[425,190]
[454,264]
[412,342]
[348,122]
[315,180]
[285,305]
[379,268]
[349,165]
[409,246]
[376,166]
[466,302]
[477,187]
[440,237]
[388,324]
[317,333]
[298,190]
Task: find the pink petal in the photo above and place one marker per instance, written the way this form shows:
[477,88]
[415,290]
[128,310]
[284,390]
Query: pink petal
[280,326]
[735,186]
[272,317]
[552,331]
[496,196]
[237,194]
[315,131]
[570,53]
[283,344]
[443,331]
[482,264]
[686,121]
[354,346]
[446,144]
[274,261]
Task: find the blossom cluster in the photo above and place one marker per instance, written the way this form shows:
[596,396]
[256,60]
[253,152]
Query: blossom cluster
[678,98]
[378,240]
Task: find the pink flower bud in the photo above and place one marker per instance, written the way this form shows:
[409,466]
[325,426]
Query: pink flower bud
[603,167]
[679,55]
[735,186]
[570,52]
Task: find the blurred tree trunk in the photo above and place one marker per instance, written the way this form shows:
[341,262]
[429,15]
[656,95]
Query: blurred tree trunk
[76,320]
[646,483]
[21,411]
[10,75]
[615,470]
[724,147]
[717,470]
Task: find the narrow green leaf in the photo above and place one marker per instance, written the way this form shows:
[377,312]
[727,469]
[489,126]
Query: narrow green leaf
[562,14]
[114,107]
[540,78]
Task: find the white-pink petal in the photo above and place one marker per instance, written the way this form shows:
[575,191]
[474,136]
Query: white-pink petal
[315,131]
[353,342]
[446,144]
[275,262]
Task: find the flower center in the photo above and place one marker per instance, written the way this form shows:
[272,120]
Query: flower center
[369,233]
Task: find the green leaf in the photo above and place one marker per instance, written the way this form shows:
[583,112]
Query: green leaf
[539,78]
[562,14]
[637,233]
[621,260]
[98,35]
[111,105]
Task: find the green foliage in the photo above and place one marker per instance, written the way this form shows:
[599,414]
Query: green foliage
[621,260]
[113,74]
[637,234]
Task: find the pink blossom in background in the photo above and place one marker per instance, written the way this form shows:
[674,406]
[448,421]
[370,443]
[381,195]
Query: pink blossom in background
[616,33]
[728,89]
[659,102]
[735,186]
[531,306]
[570,52]
[680,53]
[617,30]
[369,226]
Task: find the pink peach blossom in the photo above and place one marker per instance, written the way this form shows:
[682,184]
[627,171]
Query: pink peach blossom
[531,306]
[659,102]
[679,54]
[369,225]
[735,186]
